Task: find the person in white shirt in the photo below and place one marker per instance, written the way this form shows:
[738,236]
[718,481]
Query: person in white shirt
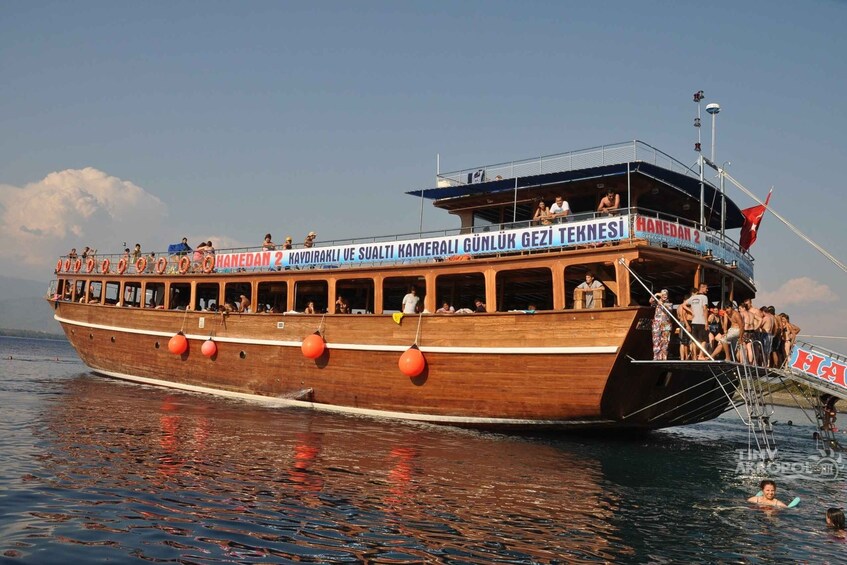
[410,301]
[559,209]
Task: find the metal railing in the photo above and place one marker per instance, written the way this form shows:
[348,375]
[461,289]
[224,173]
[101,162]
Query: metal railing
[614,154]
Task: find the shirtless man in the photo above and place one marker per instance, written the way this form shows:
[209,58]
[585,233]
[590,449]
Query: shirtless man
[750,326]
[610,203]
[768,497]
[766,331]
[734,326]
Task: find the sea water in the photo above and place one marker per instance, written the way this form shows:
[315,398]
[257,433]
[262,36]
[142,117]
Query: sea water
[94,469]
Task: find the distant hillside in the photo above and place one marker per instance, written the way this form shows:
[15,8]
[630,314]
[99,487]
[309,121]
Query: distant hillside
[22,307]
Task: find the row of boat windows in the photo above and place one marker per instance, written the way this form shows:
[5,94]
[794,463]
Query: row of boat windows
[515,290]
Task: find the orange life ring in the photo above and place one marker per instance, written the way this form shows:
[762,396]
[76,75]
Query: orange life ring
[89,265]
[67,264]
[122,266]
[184,264]
[208,263]
[77,265]
[161,265]
[104,266]
[141,265]
[59,266]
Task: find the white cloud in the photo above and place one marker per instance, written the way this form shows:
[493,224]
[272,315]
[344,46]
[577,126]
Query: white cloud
[72,208]
[801,290]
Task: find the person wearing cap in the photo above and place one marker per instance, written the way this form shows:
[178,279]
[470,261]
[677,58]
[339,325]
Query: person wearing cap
[661,325]
[288,243]
[310,239]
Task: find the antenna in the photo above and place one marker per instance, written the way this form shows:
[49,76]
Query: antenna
[713,109]
[698,97]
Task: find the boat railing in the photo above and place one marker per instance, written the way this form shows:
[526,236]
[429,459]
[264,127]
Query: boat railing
[192,263]
[616,153]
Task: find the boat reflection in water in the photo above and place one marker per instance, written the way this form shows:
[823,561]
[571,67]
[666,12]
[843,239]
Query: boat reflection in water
[157,475]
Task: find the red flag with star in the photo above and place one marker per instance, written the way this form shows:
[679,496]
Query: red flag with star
[752,219]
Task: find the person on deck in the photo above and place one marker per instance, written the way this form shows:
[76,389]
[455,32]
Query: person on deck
[410,301]
[559,209]
[542,214]
[768,498]
[610,203]
[268,245]
[661,325]
[589,285]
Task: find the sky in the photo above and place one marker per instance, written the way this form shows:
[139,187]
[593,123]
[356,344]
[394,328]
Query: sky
[149,121]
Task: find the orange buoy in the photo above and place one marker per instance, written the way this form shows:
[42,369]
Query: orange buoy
[208,264]
[412,362]
[313,346]
[122,265]
[77,265]
[59,266]
[161,264]
[104,266]
[184,264]
[67,264]
[141,265]
[209,348]
[178,344]
[89,265]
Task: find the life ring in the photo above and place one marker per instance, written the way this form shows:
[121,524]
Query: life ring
[59,266]
[122,266]
[104,266]
[89,265]
[141,265]
[208,263]
[161,265]
[184,264]
[77,265]
[67,264]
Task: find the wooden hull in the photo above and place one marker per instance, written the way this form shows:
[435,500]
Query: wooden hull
[552,369]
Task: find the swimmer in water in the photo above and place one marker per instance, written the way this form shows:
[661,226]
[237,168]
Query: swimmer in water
[768,497]
[835,519]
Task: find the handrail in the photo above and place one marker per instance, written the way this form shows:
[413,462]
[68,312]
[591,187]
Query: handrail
[612,154]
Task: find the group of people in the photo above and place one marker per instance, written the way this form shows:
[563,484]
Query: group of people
[411,305]
[739,333]
[560,209]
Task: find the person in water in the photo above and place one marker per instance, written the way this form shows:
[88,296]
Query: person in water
[835,519]
[768,497]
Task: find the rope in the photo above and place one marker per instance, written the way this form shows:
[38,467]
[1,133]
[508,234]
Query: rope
[788,224]
[418,332]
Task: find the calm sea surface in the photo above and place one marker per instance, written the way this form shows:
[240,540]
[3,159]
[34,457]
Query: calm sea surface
[95,470]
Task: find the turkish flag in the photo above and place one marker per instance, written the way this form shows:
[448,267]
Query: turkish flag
[752,218]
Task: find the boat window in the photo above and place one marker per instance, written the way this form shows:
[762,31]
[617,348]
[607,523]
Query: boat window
[79,291]
[233,292]
[132,294]
[359,294]
[311,291]
[207,296]
[94,293]
[113,290]
[460,290]
[180,296]
[154,295]
[520,289]
[395,288]
[604,273]
[274,296]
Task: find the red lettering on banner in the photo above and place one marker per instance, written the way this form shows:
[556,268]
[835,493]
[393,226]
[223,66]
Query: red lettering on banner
[640,223]
[807,362]
[834,373]
[241,259]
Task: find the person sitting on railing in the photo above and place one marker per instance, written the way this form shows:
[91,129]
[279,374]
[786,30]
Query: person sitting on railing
[542,215]
[610,203]
[560,209]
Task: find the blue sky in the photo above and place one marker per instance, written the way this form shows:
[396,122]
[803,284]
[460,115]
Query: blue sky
[226,120]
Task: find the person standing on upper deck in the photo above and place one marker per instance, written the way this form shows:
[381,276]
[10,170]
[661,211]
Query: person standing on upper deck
[559,209]
[610,203]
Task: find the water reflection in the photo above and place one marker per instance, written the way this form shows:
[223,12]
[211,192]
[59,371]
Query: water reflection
[172,476]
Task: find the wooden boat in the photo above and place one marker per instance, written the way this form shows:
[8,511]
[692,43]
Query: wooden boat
[556,365]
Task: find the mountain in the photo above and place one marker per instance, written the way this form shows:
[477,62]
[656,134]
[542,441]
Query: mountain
[22,306]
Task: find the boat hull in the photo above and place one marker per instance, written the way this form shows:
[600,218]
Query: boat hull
[506,370]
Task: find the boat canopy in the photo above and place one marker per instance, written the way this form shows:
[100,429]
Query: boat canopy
[684,185]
